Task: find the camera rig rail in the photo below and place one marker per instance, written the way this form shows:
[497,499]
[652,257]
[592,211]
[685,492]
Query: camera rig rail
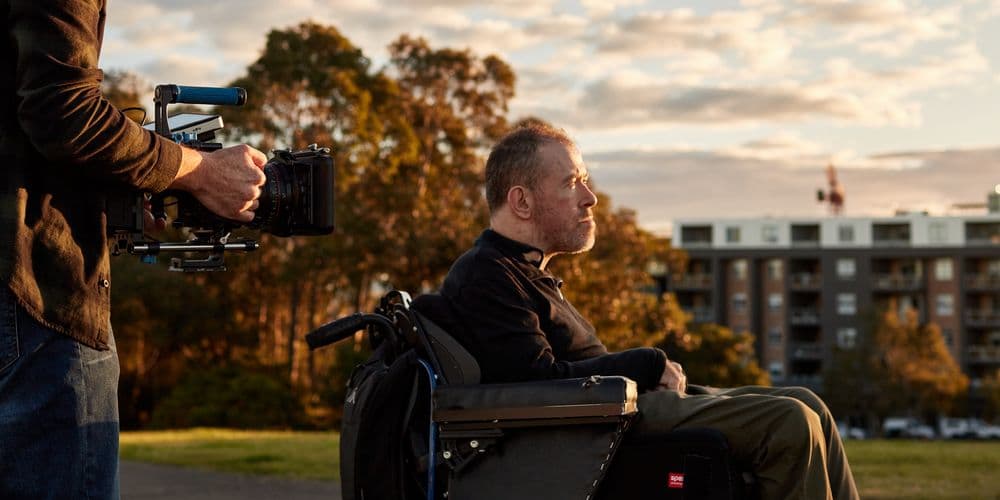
[297,198]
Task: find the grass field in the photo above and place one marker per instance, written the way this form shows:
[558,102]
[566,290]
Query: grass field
[307,455]
[884,470]
[926,469]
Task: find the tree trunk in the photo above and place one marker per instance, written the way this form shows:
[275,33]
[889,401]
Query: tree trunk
[293,307]
[310,326]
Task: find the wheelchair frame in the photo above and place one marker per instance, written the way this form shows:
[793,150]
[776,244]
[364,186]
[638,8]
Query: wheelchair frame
[478,432]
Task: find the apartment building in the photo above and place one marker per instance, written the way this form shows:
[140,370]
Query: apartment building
[804,285]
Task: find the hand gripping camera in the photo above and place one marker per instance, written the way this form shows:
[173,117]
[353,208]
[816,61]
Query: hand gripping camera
[296,199]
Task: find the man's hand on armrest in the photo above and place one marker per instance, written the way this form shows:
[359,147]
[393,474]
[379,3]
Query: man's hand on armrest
[673,377]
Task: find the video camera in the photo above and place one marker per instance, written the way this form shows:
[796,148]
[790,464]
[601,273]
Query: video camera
[296,199]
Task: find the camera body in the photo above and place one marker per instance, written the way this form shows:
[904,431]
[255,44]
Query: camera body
[296,199]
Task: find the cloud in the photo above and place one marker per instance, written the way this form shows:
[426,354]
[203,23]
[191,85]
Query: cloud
[885,27]
[619,101]
[672,184]
[183,69]
[679,31]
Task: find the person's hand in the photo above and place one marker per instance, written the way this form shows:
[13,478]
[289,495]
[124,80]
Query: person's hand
[152,224]
[226,181]
[673,377]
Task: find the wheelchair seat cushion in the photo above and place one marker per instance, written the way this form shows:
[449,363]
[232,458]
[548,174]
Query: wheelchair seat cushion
[594,398]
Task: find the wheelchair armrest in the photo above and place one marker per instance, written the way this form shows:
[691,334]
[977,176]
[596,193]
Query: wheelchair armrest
[550,402]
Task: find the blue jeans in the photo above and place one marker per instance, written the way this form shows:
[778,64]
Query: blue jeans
[58,412]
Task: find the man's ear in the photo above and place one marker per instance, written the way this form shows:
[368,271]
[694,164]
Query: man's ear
[520,201]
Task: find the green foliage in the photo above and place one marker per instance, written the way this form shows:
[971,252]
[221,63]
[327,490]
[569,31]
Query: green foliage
[229,396]
[990,391]
[898,367]
[716,356]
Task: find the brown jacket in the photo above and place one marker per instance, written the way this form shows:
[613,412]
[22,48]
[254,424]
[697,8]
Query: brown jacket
[63,149]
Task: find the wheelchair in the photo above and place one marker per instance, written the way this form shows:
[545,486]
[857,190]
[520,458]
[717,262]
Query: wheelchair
[418,424]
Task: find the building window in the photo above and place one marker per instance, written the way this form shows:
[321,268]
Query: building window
[769,234]
[993,339]
[993,268]
[777,370]
[943,270]
[847,304]
[945,304]
[732,234]
[775,268]
[774,335]
[949,336]
[774,301]
[739,302]
[845,234]
[847,338]
[937,232]
[739,267]
[846,269]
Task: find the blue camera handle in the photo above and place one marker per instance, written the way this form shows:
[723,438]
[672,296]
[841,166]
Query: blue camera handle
[170,93]
[231,96]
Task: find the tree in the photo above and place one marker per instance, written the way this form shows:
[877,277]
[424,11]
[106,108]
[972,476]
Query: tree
[917,363]
[991,394]
[719,357]
[898,366]
[406,142]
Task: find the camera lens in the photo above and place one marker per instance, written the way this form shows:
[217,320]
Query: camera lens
[275,199]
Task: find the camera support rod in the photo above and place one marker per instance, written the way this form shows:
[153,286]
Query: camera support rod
[153,248]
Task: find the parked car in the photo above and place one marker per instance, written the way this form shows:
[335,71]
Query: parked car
[983,430]
[848,432]
[955,428]
[906,427]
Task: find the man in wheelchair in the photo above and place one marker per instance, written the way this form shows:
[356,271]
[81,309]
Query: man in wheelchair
[509,313]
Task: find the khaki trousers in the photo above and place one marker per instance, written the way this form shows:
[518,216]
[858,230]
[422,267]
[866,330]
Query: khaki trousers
[785,434]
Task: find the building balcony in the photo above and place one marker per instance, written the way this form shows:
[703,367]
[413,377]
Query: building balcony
[982,317]
[982,281]
[694,281]
[697,244]
[806,281]
[807,351]
[897,282]
[702,314]
[804,316]
[983,354]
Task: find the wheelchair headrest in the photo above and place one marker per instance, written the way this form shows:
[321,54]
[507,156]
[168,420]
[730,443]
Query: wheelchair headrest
[433,312]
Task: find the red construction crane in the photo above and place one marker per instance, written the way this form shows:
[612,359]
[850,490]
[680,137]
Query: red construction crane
[834,197]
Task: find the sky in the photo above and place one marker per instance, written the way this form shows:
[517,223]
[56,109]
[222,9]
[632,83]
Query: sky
[699,109]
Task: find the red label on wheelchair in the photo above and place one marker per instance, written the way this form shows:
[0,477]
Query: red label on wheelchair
[675,480]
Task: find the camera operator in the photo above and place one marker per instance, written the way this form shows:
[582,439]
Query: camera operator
[64,149]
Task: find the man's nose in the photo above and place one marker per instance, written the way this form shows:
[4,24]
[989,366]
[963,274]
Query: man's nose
[589,198]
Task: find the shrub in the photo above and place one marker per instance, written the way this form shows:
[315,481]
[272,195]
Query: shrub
[229,396]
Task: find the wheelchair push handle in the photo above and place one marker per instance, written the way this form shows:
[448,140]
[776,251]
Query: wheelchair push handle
[345,327]
[336,330]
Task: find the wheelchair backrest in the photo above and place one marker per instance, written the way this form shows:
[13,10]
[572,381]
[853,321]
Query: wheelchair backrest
[455,363]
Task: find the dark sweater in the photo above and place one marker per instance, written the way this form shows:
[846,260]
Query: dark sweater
[63,148]
[512,317]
